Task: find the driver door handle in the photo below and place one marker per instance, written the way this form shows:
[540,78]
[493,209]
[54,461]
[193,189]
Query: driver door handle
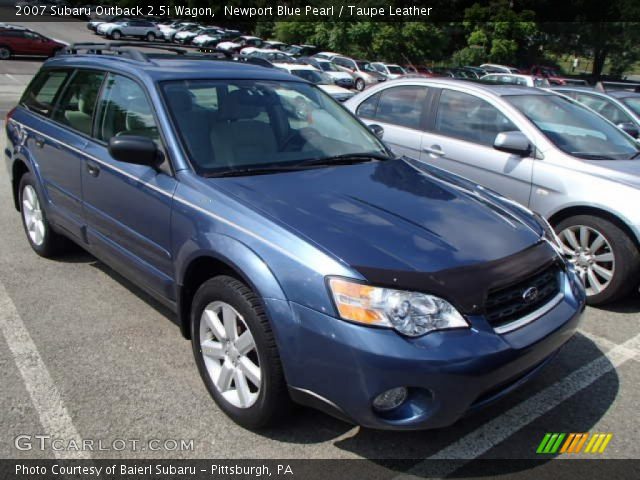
[434,150]
[93,169]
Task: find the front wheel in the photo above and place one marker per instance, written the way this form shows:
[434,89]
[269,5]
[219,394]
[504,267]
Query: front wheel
[236,353]
[151,37]
[360,84]
[116,35]
[5,53]
[605,257]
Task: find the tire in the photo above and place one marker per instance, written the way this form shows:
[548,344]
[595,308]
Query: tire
[151,37]
[116,35]
[265,403]
[360,84]
[43,239]
[611,271]
[5,53]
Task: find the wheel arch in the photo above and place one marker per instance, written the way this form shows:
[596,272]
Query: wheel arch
[565,213]
[241,263]
[18,169]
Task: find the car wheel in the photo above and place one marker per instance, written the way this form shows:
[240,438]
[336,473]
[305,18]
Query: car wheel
[116,35]
[5,53]
[236,353]
[43,240]
[360,84]
[605,257]
[151,37]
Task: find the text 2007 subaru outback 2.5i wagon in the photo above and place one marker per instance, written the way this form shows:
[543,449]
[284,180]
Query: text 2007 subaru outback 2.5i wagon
[304,261]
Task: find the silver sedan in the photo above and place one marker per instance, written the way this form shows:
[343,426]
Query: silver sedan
[542,150]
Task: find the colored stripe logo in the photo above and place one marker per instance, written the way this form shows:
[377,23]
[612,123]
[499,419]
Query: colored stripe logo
[553,443]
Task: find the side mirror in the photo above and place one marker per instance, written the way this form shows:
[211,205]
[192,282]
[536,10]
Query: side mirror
[629,128]
[512,142]
[135,149]
[377,130]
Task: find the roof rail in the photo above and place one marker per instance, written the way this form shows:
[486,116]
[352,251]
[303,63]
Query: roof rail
[126,49]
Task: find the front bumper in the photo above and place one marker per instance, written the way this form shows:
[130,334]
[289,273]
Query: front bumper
[448,373]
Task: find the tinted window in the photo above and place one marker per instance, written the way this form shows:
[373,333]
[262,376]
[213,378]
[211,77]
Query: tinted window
[42,92]
[124,110]
[77,105]
[367,109]
[401,106]
[604,107]
[470,118]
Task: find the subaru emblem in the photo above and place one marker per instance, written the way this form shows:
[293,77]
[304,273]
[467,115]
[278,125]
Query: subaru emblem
[530,295]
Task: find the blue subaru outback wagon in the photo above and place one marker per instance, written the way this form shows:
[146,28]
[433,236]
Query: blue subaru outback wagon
[304,261]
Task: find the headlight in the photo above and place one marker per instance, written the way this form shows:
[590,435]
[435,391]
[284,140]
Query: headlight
[550,234]
[410,313]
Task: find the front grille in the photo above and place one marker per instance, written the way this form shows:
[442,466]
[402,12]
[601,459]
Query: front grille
[507,304]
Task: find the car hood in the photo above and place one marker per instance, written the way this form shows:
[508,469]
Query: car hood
[622,171]
[396,215]
[339,75]
[335,89]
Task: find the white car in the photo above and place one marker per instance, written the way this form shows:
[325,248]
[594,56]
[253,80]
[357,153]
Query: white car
[391,70]
[168,32]
[239,43]
[340,77]
[317,77]
[142,29]
[207,36]
[516,79]
[327,55]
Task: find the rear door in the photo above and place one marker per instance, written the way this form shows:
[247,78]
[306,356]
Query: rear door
[461,141]
[401,112]
[128,207]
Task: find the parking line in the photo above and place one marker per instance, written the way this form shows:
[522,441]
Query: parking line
[46,399]
[486,437]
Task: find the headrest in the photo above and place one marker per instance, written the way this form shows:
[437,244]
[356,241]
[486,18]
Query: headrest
[87,100]
[180,100]
[242,105]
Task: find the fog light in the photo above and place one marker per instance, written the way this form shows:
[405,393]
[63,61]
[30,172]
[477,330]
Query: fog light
[390,399]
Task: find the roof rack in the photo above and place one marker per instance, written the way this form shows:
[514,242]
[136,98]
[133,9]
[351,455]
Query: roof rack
[131,50]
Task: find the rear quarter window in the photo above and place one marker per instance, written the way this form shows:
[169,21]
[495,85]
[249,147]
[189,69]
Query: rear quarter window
[42,92]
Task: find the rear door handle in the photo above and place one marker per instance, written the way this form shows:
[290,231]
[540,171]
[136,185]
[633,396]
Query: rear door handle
[434,150]
[39,142]
[93,169]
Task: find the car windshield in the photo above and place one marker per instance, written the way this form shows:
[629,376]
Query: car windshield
[328,67]
[575,129]
[395,69]
[365,66]
[249,126]
[313,76]
[633,103]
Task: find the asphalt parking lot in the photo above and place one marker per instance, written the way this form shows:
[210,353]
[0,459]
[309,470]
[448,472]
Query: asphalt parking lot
[84,354]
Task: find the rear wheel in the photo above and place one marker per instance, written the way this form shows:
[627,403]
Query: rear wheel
[360,84]
[5,53]
[605,257]
[43,240]
[236,353]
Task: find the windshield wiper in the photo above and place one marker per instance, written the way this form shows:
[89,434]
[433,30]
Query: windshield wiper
[240,172]
[345,159]
[634,156]
[593,156]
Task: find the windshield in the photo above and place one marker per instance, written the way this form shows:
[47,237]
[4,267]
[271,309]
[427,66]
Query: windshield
[328,67]
[365,66]
[395,69]
[574,129]
[312,76]
[231,125]
[633,103]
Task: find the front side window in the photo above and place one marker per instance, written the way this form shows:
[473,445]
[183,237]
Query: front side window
[368,108]
[259,124]
[77,104]
[400,106]
[470,118]
[575,129]
[123,109]
[41,94]
[633,103]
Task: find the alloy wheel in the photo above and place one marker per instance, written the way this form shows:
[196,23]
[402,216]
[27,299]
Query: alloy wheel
[5,53]
[32,214]
[230,354]
[591,253]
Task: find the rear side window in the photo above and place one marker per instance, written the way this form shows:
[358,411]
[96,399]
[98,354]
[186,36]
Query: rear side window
[400,106]
[41,94]
[470,118]
[77,103]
